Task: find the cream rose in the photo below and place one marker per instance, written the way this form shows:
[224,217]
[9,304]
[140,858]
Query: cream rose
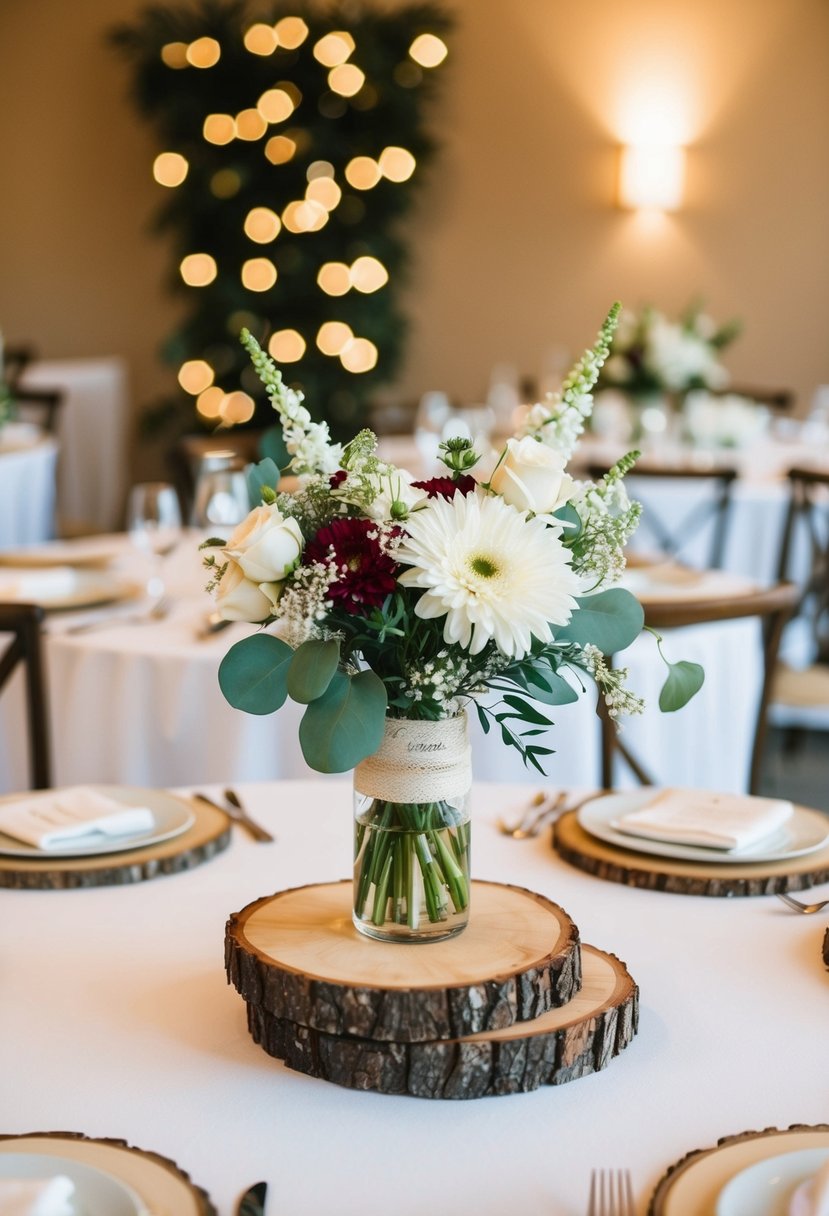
[531,477]
[239,599]
[266,545]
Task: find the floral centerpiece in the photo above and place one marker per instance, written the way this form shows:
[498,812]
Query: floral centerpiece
[391,604]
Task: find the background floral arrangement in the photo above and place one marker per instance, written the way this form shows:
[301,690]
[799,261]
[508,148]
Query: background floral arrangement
[392,596]
[651,354]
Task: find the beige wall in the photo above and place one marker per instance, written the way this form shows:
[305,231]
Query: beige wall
[518,250]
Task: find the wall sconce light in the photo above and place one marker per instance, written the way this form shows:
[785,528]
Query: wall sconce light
[651,176]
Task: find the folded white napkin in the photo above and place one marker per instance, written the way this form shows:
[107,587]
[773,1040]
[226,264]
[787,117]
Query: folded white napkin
[50,819]
[37,1197]
[35,585]
[701,817]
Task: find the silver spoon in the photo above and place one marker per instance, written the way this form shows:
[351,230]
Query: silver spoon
[797,906]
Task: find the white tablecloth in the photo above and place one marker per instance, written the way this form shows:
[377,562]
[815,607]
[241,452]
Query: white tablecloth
[27,494]
[92,429]
[140,704]
[117,1020]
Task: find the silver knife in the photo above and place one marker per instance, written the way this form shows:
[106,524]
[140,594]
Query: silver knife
[252,1203]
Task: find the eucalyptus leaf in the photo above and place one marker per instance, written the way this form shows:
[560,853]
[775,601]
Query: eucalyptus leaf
[253,674]
[684,680]
[610,620]
[265,473]
[345,724]
[311,670]
[272,446]
[570,518]
[558,691]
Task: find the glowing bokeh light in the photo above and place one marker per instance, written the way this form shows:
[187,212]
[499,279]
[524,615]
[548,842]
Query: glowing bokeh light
[287,346]
[319,168]
[325,191]
[260,39]
[174,54]
[225,183]
[198,269]
[359,356]
[290,32]
[209,403]
[368,274]
[428,50]
[203,53]
[397,164]
[334,278]
[258,274]
[304,215]
[276,105]
[362,173]
[219,128]
[346,80]
[250,125]
[237,407]
[334,48]
[170,168]
[334,336]
[195,376]
[262,225]
[280,149]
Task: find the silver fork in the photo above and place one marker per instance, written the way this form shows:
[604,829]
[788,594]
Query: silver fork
[611,1193]
[531,822]
[798,906]
[239,815]
[157,612]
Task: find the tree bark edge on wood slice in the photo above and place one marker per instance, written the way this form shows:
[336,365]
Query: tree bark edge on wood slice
[675,1175]
[653,873]
[408,1011]
[552,1050]
[200,1196]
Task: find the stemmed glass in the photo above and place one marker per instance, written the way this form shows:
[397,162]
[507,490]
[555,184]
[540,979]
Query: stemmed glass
[154,526]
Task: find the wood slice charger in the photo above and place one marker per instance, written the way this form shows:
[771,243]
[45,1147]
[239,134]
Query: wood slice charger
[297,955]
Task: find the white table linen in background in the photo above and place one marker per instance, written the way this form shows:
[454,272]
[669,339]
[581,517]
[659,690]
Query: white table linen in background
[117,1020]
[140,704]
[92,429]
[27,494]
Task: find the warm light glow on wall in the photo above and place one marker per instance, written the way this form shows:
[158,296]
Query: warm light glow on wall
[397,164]
[359,356]
[368,274]
[209,403]
[174,54]
[262,225]
[362,173]
[258,274]
[237,407]
[279,149]
[346,80]
[170,168]
[275,105]
[334,336]
[290,32]
[250,125]
[203,53]
[219,128]
[287,346]
[195,376]
[428,50]
[651,176]
[198,269]
[334,48]
[260,39]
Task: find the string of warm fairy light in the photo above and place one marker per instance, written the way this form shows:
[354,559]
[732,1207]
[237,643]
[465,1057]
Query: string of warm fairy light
[300,216]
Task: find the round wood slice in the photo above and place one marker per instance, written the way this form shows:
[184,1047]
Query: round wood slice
[559,1046]
[297,955]
[156,1180]
[692,1185]
[209,835]
[826,947]
[605,860]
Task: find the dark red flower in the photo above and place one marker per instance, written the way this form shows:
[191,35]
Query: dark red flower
[336,479]
[447,487]
[365,574]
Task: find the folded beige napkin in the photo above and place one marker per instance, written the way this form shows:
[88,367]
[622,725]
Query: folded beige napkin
[35,585]
[37,1197]
[701,817]
[50,819]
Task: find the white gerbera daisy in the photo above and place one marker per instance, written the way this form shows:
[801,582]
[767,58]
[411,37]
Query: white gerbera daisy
[494,574]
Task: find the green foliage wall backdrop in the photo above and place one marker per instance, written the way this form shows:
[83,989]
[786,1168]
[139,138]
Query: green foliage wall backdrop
[291,143]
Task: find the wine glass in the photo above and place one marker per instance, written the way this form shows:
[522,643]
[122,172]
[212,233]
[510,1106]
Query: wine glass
[154,527]
[221,499]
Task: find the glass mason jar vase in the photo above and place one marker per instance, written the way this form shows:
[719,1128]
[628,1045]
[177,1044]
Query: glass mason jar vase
[411,833]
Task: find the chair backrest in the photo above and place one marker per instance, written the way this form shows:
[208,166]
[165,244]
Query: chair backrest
[39,405]
[709,514]
[773,605]
[15,360]
[23,623]
[807,521]
[779,399]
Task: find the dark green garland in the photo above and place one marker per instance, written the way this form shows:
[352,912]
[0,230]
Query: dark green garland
[389,109]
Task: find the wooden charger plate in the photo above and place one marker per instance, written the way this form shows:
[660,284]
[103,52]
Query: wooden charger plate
[297,955]
[209,835]
[654,873]
[159,1182]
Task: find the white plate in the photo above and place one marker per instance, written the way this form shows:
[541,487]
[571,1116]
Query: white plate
[85,589]
[85,551]
[172,817]
[803,833]
[766,1189]
[96,1193]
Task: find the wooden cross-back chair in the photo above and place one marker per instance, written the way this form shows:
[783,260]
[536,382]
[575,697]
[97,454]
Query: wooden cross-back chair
[713,508]
[16,358]
[22,622]
[774,606]
[38,405]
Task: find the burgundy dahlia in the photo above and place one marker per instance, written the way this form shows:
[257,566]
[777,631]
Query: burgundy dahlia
[337,479]
[447,487]
[365,574]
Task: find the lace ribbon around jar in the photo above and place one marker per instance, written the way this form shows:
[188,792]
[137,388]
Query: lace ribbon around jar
[418,762]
